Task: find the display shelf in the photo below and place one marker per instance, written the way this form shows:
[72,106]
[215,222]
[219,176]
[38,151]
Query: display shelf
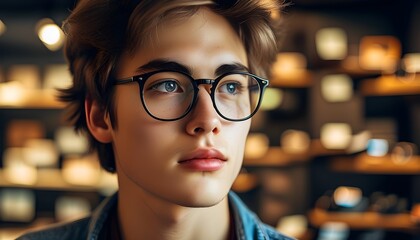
[302,79]
[390,85]
[351,66]
[365,220]
[276,156]
[33,99]
[363,163]
[52,179]
[317,149]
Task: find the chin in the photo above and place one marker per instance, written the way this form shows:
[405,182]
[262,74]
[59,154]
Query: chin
[202,198]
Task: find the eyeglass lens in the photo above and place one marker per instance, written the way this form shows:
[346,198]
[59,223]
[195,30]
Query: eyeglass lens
[170,95]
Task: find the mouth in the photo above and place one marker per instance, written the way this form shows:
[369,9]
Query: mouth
[203,160]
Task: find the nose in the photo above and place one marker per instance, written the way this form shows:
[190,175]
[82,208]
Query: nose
[203,118]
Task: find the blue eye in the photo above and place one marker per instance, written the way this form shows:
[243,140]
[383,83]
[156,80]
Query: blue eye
[232,88]
[168,86]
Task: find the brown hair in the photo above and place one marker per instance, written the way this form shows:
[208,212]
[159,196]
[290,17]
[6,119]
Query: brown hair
[98,31]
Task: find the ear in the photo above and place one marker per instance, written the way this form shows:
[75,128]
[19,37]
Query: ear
[98,121]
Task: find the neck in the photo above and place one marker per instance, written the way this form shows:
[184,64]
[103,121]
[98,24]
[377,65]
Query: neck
[146,216]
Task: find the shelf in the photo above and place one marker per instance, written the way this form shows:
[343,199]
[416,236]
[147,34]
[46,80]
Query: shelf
[52,179]
[276,156]
[301,79]
[351,66]
[366,220]
[390,85]
[364,163]
[35,99]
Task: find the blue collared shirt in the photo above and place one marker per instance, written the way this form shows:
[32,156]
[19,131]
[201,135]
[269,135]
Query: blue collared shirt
[248,226]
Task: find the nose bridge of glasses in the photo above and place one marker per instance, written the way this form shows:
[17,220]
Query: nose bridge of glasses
[208,82]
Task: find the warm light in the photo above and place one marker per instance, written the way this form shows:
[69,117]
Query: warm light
[11,93]
[379,53]
[289,65]
[17,205]
[70,142]
[337,88]
[71,208]
[27,75]
[256,145]
[412,62]
[84,171]
[347,196]
[294,141]
[377,147]
[273,15]
[244,181]
[331,43]
[289,62]
[40,153]
[294,226]
[57,77]
[3,27]
[272,99]
[336,135]
[50,34]
[16,170]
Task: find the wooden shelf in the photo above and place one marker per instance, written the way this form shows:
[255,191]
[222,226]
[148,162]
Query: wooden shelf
[366,220]
[276,156]
[364,163]
[52,179]
[301,79]
[351,66]
[35,99]
[390,85]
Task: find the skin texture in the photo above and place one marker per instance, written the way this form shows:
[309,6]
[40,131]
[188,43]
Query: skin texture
[159,198]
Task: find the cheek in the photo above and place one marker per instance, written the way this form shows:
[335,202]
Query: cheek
[237,140]
[137,135]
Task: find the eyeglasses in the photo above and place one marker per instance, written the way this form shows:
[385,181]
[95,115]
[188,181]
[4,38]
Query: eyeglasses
[169,95]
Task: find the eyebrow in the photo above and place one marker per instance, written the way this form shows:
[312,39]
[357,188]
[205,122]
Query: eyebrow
[165,64]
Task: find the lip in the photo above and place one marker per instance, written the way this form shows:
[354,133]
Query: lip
[203,160]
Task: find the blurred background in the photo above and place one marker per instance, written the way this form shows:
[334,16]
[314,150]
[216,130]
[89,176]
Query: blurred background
[332,155]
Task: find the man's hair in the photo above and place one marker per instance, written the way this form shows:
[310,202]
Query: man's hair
[99,31]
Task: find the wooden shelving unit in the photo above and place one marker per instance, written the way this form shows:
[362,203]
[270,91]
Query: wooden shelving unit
[301,79]
[276,156]
[366,220]
[52,179]
[390,85]
[34,99]
[364,163]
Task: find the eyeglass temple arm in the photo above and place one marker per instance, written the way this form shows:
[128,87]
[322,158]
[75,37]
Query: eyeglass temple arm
[123,81]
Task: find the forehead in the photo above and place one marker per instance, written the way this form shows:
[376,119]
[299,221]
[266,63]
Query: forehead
[200,37]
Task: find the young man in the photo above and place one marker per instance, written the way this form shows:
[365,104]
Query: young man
[165,90]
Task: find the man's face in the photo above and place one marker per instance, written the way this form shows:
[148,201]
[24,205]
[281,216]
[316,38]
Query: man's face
[192,161]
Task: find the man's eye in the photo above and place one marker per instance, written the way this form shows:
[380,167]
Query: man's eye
[230,88]
[168,86]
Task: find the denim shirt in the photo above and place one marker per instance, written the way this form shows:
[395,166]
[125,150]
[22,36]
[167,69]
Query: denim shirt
[247,224]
